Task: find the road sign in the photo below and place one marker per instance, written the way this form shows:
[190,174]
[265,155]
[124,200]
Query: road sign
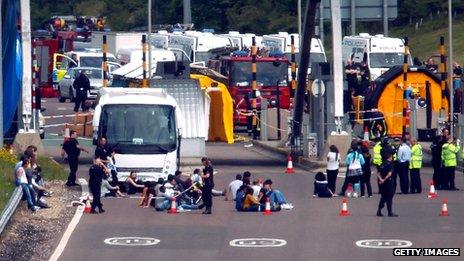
[258,242]
[383,243]
[366,10]
[132,241]
[315,86]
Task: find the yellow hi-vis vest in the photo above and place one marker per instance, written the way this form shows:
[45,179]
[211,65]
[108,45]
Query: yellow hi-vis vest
[377,159]
[416,157]
[448,154]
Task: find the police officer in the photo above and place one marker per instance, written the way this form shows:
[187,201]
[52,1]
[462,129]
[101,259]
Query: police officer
[96,173]
[208,185]
[448,156]
[435,148]
[403,158]
[72,149]
[386,183]
[82,85]
[415,165]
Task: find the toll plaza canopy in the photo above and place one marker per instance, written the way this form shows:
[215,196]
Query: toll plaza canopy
[387,96]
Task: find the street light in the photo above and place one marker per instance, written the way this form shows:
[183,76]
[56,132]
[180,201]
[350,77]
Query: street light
[149,40]
[450,66]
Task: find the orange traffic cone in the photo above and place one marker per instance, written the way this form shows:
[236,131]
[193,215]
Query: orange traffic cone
[289,165]
[366,134]
[432,192]
[267,210]
[444,208]
[87,208]
[173,209]
[344,212]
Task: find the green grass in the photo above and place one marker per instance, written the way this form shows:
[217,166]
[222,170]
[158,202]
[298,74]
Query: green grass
[50,171]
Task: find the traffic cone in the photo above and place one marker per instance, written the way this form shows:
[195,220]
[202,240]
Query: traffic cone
[87,208]
[432,192]
[344,212]
[349,190]
[444,208]
[267,209]
[289,165]
[173,209]
[366,134]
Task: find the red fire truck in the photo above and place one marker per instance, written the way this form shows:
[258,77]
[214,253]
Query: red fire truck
[271,78]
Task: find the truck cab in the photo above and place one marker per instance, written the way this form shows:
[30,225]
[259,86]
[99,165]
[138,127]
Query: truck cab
[141,125]
[380,53]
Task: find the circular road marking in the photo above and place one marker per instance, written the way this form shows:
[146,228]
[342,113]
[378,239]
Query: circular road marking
[131,241]
[257,242]
[383,243]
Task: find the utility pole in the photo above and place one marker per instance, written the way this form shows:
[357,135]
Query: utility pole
[385,17]
[308,33]
[450,66]
[149,40]
[321,22]
[353,17]
[187,12]
[1,78]
[337,61]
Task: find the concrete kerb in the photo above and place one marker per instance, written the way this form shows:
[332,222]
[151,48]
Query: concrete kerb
[303,163]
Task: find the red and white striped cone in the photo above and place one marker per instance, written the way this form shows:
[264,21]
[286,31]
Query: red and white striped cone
[432,192]
[87,208]
[366,134]
[289,165]
[173,209]
[344,212]
[444,208]
[267,209]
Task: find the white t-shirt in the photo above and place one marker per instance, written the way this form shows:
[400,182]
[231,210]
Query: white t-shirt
[22,178]
[256,190]
[234,186]
[333,161]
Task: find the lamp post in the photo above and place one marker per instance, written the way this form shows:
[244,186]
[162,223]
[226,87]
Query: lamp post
[149,40]
[450,66]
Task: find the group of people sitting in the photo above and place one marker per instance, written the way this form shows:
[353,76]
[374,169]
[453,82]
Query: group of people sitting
[28,176]
[252,196]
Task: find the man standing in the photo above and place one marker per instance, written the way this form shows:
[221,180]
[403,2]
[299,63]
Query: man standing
[404,156]
[105,154]
[208,185]
[72,149]
[414,166]
[96,173]
[82,86]
[386,185]
[448,156]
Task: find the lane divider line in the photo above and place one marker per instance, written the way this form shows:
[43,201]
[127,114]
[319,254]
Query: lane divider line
[72,225]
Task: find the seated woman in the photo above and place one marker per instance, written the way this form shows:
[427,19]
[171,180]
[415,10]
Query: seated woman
[321,188]
[109,191]
[276,197]
[250,203]
[132,185]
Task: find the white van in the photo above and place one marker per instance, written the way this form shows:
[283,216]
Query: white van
[142,125]
[134,54]
[379,52]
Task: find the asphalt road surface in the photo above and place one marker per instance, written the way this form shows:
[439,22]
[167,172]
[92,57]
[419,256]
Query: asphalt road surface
[313,230]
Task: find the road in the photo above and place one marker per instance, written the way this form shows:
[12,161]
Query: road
[313,230]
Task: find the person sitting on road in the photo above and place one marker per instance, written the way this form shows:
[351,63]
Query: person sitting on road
[257,186]
[162,200]
[110,191]
[132,184]
[179,182]
[148,193]
[321,188]
[250,203]
[28,192]
[240,198]
[233,187]
[38,184]
[158,185]
[276,198]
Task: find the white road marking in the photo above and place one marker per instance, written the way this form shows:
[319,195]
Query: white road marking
[62,109]
[72,225]
[131,241]
[383,243]
[257,242]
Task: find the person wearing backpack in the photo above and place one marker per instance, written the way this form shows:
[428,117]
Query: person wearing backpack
[354,161]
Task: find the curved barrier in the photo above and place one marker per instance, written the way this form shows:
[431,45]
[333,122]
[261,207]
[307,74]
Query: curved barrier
[10,208]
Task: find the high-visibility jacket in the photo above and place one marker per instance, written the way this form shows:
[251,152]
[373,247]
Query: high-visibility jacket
[377,159]
[448,154]
[416,157]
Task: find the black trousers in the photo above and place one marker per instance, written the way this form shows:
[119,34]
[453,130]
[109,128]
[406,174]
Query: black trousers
[416,186]
[448,178]
[404,176]
[366,182]
[207,196]
[396,168]
[73,165]
[386,196]
[436,174]
[79,101]
[332,179]
[95,189]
